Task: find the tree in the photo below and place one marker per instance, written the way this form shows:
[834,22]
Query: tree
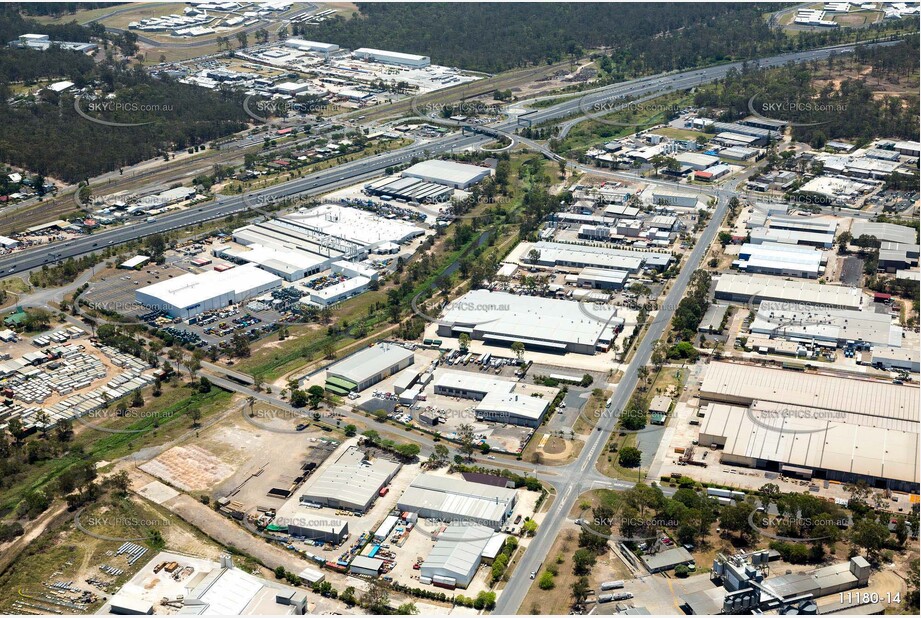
[299,398]
[350,430]
[529,527]
[376,597]
[725,238]
[194,414]
[408,450]
[580,589]
[463,341]
[869,534]
[466,437]
[518,349]
[735,518]
[583,561]
[546,581]
[239,345]
[315,395]
[407,609]
[243,39]
[204,385]
[682,571]
[629,457]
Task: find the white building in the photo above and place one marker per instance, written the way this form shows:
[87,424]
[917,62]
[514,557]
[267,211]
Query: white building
[311,46]
[457,554]
[770,258]
[448,173]
[458,501]
[753,289]
[352,482]
[389,57]
[544,324]
[501,401]
[367,367]
[190,294]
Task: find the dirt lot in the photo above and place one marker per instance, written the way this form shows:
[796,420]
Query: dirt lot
[72,556]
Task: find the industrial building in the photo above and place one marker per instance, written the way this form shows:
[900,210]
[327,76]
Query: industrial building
[367,367]
[780,228]
[888,232]
[455,500]
[545,324]
[351,482]
[602,278]
[310,241]
[457,554]
[810,425]
[365,565]
[448,173]
[501,401]
[674,198]
[896,358]
[411,189]
[753,289]
[740,586]
[696,161]
[213,589]
[825,326]
[389,57]
[771,258]
[556,254]
[190,294]
[43,42]
[309,526]
[311,46]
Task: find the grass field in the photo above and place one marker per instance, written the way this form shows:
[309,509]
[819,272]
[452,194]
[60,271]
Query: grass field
[160,419]
[66,553]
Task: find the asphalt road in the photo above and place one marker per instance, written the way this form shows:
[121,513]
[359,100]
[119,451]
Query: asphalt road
[594,100]
[582,475]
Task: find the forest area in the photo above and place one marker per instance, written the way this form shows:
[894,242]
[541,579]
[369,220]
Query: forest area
[641,38]
[44,133]
[850,110]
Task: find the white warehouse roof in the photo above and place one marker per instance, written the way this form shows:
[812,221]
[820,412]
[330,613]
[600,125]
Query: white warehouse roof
[457,500]
[369,362]
[190,289]
[449,173]
[755,288]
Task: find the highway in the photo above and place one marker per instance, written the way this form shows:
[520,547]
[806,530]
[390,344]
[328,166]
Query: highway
[326,180]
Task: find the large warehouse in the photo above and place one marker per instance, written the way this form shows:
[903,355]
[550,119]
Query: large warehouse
[456,500]
[544,324]
[389,57]
[808,425]
[501,401]
[305,523]
[352,482]
[756,288]
[772,258]
[557,254]
[825,326]
[310,241]
[367,367]
[190,294]
[457,554]
[448,173]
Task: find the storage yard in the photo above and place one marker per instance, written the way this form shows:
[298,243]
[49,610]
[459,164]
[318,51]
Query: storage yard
[65,375]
